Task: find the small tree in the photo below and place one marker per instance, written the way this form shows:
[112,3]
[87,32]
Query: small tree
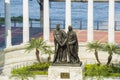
[38,45]
[111,48]
[95,46]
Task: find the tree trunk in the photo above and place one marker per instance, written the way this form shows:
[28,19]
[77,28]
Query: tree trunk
[96,56]
[41,18]
[40,2]
[37,55]
[109,59]
[49,57]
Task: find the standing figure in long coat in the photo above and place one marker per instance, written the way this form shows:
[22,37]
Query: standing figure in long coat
[72,46]
[60,45]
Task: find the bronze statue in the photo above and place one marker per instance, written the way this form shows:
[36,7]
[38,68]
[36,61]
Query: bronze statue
[60,45]
[72,46]
[66,45]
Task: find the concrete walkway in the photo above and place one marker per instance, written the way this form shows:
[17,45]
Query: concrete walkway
[37,77]
[45,77]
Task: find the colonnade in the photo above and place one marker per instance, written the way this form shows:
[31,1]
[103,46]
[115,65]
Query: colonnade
[46,22]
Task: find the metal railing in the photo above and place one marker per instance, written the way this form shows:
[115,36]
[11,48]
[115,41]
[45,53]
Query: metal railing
[76,23]
[82,24]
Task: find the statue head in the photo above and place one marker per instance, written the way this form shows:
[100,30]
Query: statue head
[70,28]
[58,27]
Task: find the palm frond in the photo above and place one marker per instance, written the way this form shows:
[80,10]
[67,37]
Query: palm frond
[111,48]
[38,44]
[91,46]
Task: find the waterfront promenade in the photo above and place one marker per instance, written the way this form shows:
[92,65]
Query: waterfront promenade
[101,35]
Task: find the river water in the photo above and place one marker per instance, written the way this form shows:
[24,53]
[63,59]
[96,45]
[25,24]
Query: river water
[57,12]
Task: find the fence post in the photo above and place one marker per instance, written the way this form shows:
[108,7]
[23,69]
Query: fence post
[115,25]
[50,23]
[31,23]
[80,24]
[14,21]
[97,25]
[64,24]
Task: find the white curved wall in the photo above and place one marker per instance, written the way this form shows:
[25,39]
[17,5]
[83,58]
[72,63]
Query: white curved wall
[15,56]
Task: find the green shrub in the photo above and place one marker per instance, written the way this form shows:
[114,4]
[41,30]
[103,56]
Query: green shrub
[101,70]
[115,69]
[40,72]
[96,70]
[20,71]
[115,74]
[35,69]
[39,66]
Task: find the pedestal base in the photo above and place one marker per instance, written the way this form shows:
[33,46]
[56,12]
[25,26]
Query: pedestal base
[65,72]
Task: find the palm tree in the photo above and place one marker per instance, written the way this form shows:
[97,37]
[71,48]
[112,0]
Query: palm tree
[111,48]
[38,45]
[95,46]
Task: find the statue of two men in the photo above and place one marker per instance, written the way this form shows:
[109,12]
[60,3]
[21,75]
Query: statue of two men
[60,38]
[66,44]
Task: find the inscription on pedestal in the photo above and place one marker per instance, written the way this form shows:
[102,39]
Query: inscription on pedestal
[65,75]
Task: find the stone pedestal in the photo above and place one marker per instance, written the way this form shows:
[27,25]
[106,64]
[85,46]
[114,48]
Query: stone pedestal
[65,72]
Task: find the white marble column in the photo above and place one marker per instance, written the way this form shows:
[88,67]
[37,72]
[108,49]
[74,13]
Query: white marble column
[7,24]
[68,14]
[25,21]
[90,21]
[111,30]
[46,23]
